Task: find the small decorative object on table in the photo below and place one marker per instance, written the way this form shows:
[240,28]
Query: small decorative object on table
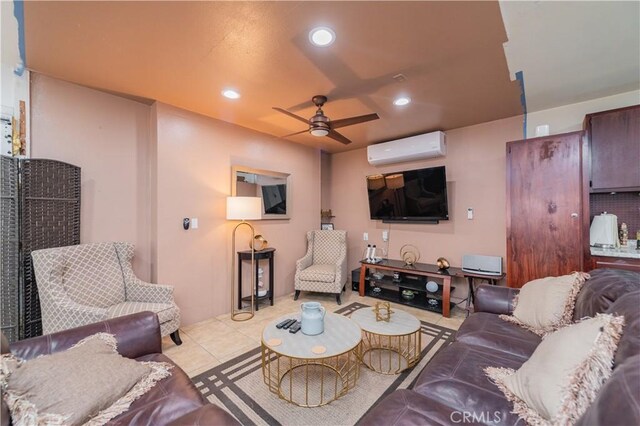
[443,264]
[409,254]
[408,294]
[396,276]
[383,311]
[327,226]
[258,243]
[432,286]
[624,234]
[312,318]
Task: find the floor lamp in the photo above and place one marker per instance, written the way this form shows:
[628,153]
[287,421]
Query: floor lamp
[242,209]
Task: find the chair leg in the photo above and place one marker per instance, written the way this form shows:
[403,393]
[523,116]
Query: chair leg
[295,296]
[338,301]
[344,288]
[175,336]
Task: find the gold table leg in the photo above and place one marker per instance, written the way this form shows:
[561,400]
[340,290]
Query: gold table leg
[308,388]
[403,351]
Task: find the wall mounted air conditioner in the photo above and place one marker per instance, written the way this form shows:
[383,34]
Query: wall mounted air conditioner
[418,147]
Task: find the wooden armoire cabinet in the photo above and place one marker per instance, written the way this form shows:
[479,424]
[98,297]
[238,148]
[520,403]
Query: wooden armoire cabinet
[545,193]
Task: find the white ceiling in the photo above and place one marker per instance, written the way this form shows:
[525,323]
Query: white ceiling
[572,51]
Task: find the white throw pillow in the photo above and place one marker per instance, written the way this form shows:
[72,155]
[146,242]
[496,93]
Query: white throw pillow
[546,304]
[564,374]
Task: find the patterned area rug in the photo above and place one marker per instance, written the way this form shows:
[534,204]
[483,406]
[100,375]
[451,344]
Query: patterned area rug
[238,386]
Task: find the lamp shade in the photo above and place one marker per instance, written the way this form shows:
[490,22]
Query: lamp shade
[395,181]
[375,182]
[244,208]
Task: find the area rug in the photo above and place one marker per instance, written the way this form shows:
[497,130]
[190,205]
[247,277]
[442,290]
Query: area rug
[238,386]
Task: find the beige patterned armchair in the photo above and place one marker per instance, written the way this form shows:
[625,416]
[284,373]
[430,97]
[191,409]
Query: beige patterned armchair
[324,267]
[88,283]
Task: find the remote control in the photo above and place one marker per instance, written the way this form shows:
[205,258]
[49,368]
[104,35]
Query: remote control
[289,324]
[282,324]
[295,328]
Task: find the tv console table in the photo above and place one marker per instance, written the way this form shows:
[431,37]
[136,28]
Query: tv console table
[419,269]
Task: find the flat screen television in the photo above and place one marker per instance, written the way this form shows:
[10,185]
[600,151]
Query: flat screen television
[409,196]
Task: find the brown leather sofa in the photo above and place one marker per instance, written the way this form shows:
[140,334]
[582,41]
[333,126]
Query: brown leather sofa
[174,400]
[452,388]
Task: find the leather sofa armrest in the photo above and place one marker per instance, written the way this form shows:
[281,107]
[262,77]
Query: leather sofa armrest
[206,415]
[137,335]
[494,299]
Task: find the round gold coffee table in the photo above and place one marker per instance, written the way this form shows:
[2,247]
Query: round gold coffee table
[311,371]
[388,347]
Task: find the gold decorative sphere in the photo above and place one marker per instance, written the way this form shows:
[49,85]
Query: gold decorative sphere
[258,243]
[442,263]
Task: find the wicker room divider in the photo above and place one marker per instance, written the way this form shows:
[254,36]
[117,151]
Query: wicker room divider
[39,208]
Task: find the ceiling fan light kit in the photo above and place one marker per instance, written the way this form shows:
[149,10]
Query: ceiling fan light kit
[319,132]
[321,125]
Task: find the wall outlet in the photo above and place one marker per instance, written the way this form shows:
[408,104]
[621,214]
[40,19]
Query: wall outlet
[365,236]
[469,213]
[385,236]
[194,223]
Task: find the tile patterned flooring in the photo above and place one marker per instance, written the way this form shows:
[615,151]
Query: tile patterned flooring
[216,340]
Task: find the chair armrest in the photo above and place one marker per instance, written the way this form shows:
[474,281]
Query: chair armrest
[305,262]
[341,269]
[140,291]
[137,335]
[494,299]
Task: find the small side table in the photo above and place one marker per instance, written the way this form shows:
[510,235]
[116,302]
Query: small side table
[491,279]
[388,347]
[258,255]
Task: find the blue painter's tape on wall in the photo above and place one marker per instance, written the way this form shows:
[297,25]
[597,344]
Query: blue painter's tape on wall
[523,102]
[18,12]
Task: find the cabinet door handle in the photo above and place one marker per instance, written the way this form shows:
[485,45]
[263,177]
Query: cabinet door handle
[574,215]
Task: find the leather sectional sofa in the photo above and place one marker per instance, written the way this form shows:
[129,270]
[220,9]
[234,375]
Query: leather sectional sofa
[174,400]
[453,389]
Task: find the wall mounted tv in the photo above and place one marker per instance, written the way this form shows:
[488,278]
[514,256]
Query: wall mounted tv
[409,196]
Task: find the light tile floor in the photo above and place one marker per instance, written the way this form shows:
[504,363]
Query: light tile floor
[216,340]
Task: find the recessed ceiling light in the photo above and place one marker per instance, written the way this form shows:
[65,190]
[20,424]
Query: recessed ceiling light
[402,101]
[322,36]
[230,93]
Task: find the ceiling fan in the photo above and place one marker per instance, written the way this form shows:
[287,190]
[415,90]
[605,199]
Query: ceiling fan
[321,125]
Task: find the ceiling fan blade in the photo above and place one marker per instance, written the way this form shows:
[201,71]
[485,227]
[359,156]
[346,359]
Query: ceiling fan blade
[338,137]
[292,115]
[296,133]
[336,124]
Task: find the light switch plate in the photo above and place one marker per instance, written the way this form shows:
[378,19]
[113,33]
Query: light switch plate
[385,236]
[194,223]
[365,236]
[469,213]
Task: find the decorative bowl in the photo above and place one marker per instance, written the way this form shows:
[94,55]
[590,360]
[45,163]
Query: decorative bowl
[377,289]
[262,293]
[408,294]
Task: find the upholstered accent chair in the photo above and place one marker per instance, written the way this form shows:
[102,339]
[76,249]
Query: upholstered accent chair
[324,268]
[87,283]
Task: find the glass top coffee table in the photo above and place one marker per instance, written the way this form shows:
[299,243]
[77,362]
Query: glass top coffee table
[388,347]
[311,371]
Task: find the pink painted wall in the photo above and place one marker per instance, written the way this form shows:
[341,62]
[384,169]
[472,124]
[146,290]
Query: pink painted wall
[145,168]
[194,159]
[475,165]
[108,137]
